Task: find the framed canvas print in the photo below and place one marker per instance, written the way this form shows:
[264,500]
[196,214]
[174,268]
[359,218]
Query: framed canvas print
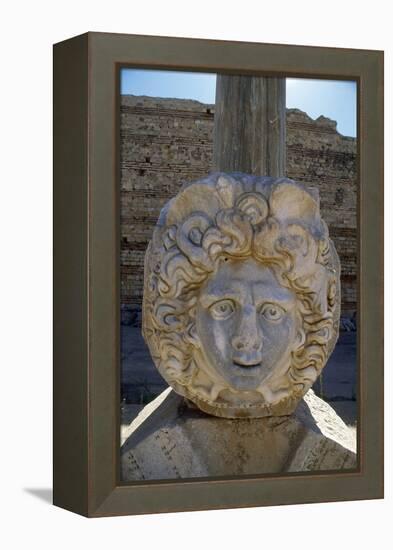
[218,260]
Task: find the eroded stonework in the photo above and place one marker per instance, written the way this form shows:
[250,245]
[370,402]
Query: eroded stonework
[242,294]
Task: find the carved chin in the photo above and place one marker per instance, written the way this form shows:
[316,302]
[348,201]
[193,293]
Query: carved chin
[228,405]
[247,377]
[251,393]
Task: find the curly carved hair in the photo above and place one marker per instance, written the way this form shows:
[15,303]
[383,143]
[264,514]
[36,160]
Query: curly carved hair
[275,221]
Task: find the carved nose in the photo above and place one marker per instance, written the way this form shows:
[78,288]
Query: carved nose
[247,337]
[246,343]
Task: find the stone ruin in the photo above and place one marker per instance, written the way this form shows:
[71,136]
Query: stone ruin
[241,311]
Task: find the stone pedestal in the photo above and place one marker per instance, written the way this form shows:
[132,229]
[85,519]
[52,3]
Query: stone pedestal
[169,439]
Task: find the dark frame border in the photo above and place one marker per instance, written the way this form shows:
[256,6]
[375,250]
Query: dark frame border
[86,272]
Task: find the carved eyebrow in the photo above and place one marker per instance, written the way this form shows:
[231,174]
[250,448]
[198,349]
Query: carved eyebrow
[279,296]
[238,293]
[274,300]
[212,296]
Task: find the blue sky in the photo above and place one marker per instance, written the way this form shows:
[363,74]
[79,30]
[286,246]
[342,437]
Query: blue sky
[331,98]
[335,99]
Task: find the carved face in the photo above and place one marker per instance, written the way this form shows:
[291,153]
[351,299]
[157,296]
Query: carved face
[247,324]
[242,294]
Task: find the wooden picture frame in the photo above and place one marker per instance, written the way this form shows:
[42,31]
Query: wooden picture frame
[86,273]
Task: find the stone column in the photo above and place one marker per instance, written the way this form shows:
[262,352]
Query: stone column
[249,125]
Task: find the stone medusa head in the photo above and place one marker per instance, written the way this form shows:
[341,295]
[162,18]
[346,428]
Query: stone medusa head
[241,298]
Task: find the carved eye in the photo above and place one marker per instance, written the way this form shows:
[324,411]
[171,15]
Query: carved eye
[222,310]
[272,312]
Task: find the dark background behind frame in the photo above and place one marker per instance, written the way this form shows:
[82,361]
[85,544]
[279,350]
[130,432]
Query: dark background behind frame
[104,50]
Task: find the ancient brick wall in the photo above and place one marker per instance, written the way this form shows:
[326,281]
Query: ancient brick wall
[165,142]
[318,155]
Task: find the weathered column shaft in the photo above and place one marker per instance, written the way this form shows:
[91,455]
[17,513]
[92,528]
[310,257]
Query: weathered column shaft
[249,125]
